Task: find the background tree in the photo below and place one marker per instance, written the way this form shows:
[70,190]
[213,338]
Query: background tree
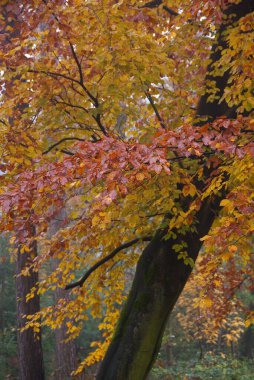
[29,347]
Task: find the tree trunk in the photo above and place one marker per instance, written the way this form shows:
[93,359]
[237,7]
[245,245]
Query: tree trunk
[29,344]
[159,280]
[160,277]
[247,339]
[2,291]
[66,353]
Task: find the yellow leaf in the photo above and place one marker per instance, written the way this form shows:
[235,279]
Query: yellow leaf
[206,237]
[207,302]
[95,220]
[140,176]
[225,202]
[232,248]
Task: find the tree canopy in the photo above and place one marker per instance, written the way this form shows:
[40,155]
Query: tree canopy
[102,115]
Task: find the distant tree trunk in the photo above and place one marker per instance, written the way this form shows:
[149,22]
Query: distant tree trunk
[29,345]
[2,290]
[160,277]
[247,343]
[247,339]
[66,353]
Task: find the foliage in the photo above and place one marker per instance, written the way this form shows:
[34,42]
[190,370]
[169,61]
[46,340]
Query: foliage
[211,367]
[98,117]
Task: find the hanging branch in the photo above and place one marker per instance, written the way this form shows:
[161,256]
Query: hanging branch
[105,259]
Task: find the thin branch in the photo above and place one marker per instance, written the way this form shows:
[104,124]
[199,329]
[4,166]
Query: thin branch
[81,79]
[98,121]
[3,122]
[192,156]
[93,98]
[67,152]
[60,142]
[149,97]
[73,80]
[105,259]
[53,74]
[95,136]
[170,11]
[97,118]
[71,105]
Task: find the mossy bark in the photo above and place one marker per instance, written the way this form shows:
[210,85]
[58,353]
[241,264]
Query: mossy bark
[160,277]
[159,280]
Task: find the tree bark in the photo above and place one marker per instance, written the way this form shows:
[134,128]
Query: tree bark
[159,280]
[66,353]
[29,345]
[160,277]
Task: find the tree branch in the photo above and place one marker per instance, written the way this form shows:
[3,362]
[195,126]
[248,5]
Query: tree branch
[3,122]
[70,105]
[61,141]
[93,98]
[149,97]
[53,74]
[67,152]
[156,3]
[81,78]
[73,80]
[105,259]
[97,118]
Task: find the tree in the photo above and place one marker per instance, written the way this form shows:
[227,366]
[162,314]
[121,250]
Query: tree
[8,344]
[30,356]
[118,139]
[29,341]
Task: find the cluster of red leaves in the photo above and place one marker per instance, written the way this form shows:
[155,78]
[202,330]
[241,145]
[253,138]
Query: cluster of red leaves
[118,166]
[229,137]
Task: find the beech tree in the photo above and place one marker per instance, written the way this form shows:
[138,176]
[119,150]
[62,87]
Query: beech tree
[30,356]
[139,124]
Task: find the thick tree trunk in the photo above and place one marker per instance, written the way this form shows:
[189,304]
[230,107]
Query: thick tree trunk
[29,345]
[159,280]
[160,277]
